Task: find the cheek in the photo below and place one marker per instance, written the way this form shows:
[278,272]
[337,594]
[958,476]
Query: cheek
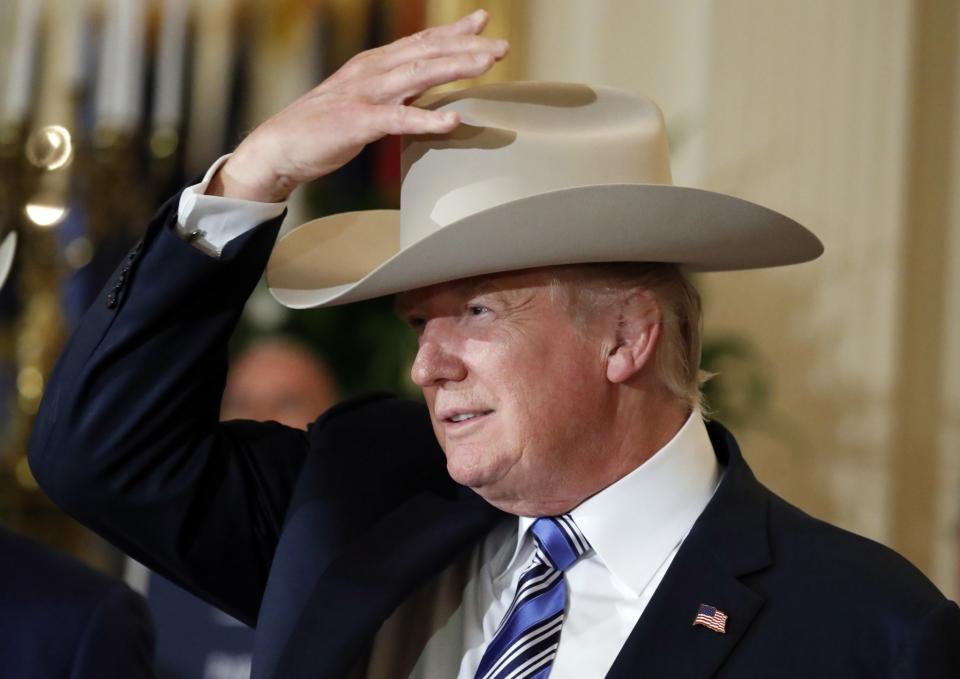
[564,400]
[429,397]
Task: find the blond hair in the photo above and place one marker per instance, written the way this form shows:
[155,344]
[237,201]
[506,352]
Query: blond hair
[590,287]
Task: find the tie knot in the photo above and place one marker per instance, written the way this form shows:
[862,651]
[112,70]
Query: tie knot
[560,540]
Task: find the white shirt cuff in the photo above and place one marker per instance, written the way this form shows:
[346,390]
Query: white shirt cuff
[210,222]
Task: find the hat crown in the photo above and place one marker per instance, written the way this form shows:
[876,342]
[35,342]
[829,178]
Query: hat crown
[538,174]
[524,139]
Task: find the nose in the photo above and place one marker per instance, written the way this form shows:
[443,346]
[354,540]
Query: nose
[437,362]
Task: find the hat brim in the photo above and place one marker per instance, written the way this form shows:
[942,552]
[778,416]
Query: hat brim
[355,256]
[7,249]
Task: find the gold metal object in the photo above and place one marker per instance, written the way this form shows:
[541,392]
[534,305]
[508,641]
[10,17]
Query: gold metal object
[50,147]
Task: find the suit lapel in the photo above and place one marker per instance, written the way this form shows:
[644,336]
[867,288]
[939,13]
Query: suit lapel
[360,473]
[727,542]
[359,590]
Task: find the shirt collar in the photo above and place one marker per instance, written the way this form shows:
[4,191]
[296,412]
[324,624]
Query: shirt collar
[635,523]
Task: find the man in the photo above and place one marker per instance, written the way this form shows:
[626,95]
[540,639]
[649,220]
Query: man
[560,391]
[60,618]
[278,379]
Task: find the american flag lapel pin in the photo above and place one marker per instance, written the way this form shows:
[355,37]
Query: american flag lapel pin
[712,618]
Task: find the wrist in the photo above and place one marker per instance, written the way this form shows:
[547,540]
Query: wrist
[244,179]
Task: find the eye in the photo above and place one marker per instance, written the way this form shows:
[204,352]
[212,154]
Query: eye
[477,310]
[416,323]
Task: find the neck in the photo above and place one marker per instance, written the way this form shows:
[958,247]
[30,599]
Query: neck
[646,427]
[640,425]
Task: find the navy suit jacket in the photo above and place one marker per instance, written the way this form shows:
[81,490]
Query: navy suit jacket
[316,537]
[60,619]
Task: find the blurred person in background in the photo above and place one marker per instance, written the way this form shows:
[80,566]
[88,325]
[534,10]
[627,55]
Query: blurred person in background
[276,379]
[59,618]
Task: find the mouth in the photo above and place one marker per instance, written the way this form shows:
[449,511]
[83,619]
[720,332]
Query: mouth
[459,419]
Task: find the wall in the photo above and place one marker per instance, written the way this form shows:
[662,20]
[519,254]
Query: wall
[843,116]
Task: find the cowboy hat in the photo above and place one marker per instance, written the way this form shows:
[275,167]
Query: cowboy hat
[7,249]
[537,174]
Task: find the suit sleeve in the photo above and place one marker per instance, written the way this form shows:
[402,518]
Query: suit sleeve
[127,438]
[934,651]
[118,640]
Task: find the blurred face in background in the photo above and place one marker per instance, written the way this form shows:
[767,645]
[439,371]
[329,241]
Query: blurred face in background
[277,380]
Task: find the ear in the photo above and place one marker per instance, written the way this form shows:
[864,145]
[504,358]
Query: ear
[637,335]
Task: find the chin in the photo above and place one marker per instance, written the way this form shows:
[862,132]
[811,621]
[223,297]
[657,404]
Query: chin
[469,476]
[472,468]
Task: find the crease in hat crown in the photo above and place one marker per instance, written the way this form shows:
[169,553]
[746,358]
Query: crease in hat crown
[536,174]
[556,139]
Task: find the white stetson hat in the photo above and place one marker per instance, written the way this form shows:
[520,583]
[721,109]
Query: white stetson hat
[536,174]
[7,248]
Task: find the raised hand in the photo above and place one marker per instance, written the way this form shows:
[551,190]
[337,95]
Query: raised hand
[363,101]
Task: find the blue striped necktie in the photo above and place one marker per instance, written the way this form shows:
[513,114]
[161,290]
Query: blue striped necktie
[526,642]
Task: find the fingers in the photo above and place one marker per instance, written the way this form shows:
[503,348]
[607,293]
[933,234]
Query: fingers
[407,67]
[471,24]
[434,47]
[400,119]
[410,80]
[411,46]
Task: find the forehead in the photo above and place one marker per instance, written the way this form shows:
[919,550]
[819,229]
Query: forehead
[506,284]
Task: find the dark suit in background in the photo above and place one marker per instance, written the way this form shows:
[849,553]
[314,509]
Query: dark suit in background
[60,619]
[318,537]
[194,639]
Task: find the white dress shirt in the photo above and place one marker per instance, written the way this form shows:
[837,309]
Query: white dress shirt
[635,526]
[218,220]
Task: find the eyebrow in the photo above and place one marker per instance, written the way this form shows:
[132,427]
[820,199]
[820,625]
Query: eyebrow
[478,286]
[467,288]
[399,308]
